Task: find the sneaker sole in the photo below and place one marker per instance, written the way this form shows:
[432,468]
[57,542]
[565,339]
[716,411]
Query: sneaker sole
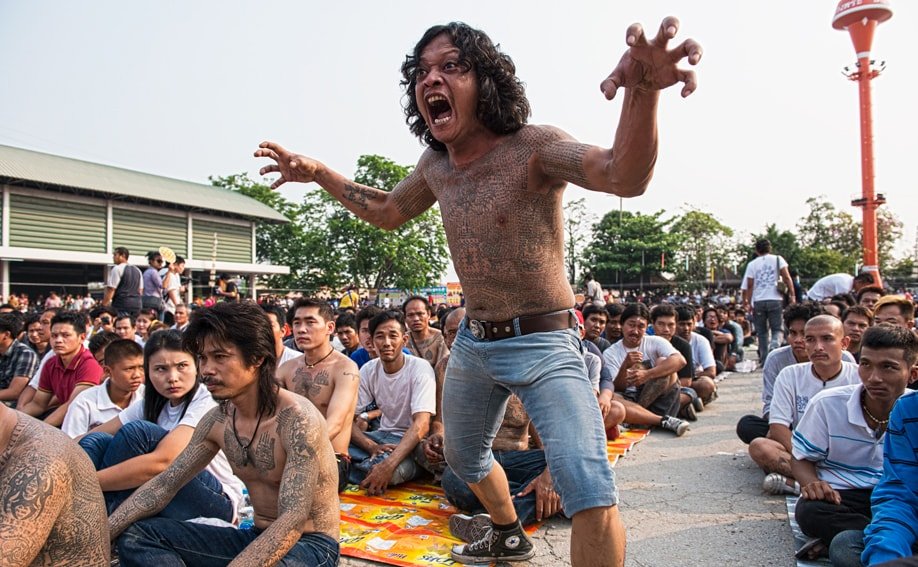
[468,528]
[487,560]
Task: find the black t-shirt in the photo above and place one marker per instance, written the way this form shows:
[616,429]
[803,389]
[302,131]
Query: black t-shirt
[685,349]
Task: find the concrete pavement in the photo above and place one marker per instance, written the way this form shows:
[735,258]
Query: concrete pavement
[693,501]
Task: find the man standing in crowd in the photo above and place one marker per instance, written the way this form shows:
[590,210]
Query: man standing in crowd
[276,443]
[324,376]
[125,284]
[153,284]
[794,387]
[760,290]
[72,369]
[499,186]
[51,507]
[17,361]
[423,341]
[594,295]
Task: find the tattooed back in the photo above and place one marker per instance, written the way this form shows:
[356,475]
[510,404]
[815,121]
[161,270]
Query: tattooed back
[51,507]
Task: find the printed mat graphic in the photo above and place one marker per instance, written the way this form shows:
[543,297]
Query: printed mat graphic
[799,537]
[409,525]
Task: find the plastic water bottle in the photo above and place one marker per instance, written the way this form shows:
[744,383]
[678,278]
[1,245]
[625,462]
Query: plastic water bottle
[246,512]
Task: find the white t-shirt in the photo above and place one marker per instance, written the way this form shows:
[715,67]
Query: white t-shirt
[702,355]
[287,355]
[594,368]
[175,282]
[796,385]
[765,272]
[35,377]
[171,417]
[409,391]
[594,292]
[93,407]
[651,346]
[834,434]
[830,285]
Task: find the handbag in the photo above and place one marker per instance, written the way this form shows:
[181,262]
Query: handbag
[779,283]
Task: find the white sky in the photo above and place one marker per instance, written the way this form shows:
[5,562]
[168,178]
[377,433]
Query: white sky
[188,90]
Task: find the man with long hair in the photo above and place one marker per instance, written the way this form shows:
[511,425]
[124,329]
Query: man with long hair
[276,442]
[499,183]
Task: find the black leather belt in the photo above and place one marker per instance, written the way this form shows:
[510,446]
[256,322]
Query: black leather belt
[496,330]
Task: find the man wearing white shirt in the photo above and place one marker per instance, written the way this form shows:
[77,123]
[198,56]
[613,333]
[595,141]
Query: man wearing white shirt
[760,290]
[404,388]
[124,367]
[794,387]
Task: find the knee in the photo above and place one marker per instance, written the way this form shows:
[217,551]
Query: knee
[458,492]
[760,449]
[616,414]
[467,466]
[846,548]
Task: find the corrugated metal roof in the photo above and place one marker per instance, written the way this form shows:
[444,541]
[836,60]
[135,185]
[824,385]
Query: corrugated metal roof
[18,163]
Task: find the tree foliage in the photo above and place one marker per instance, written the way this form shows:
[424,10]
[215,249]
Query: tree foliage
[578,222]
[326,245]
[627,247]
[705,245]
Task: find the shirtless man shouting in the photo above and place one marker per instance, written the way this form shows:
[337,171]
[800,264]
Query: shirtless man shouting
[324,376]
[499,183]
[51,507]
[275,441]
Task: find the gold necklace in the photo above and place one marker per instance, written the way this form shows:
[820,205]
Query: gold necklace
[870,415]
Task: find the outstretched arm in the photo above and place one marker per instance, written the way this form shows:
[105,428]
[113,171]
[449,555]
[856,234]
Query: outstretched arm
[645,69]
[156,494]
[410,198]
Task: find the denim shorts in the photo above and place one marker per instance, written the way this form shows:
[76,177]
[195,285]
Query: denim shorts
[546,371]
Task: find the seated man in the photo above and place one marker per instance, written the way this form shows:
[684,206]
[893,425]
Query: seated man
[51,508]
[324,376]
[403,387]
[423,340]
[663,317]
[613,332]
[721,338]
[838,444]
[795,386]
[123,364]
[644,369]
[705,370]
[595,318]
[751,427]
[346,330]
[290,470]
[868,296]
[896,310]
[279,328]
[366,352]
[71,370]
[126,328]
[17,361]
[855,320]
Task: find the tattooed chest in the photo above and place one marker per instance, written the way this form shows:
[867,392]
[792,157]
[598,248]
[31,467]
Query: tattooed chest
[261,456]
[311,383]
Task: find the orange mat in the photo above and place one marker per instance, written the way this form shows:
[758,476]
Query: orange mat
[409,525]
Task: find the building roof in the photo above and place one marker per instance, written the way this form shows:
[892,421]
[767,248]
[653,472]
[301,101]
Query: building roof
[124,184]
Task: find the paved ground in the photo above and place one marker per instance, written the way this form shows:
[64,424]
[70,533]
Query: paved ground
[694,501]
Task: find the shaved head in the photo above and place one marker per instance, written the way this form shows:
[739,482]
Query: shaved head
[833,322]
[455,316]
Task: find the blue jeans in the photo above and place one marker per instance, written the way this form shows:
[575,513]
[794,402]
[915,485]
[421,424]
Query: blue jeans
[846,549]
[170,543]
[201,497]
[547,373]
[361,463]
[522,467]
[768,315]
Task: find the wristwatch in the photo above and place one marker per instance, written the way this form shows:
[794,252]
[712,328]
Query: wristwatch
[364,416]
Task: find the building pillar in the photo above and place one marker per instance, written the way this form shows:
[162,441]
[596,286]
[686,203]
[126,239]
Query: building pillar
[253,293]
[5,276]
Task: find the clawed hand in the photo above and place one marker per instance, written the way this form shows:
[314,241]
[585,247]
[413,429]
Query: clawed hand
[291,166]
[648,65]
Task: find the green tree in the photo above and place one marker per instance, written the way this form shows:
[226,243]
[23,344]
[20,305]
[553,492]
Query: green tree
[783,243]
[578,220]
[705,245]
[291,244]
[830,240]
[410,257]
[889,232]
[627,247]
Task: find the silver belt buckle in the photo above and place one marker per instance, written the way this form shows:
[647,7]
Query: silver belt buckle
[477,329]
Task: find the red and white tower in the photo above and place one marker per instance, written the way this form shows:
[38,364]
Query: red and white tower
[860,18]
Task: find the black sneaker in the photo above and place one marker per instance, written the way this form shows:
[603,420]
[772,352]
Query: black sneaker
[494,545]
[688,412]
[469,528]
[675,425]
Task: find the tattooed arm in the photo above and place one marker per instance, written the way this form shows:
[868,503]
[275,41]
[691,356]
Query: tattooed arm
[381,473]
[33,494]
[301,434]
[410,198]
[156,494]
[343,401]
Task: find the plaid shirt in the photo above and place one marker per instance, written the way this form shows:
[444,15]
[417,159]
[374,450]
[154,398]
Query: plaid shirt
[19,360]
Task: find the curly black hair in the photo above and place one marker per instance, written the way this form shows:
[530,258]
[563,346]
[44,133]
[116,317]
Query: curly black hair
[502,104]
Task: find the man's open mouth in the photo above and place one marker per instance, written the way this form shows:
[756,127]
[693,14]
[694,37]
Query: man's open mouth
[439,109]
